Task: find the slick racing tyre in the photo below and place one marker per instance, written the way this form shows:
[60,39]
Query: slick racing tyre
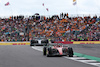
[49,52]
[45,41]
[44,51]
[31,43]
[70,52]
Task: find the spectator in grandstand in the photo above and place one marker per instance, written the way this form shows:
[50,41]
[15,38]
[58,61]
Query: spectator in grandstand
[64,29]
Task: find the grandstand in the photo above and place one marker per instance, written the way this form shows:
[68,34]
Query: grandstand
[57,27]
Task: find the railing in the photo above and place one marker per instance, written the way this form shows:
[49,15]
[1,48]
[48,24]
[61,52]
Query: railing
[70,15]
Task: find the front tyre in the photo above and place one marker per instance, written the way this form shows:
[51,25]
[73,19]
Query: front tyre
[70,52]
[44,51]
[30,45]
[49,52]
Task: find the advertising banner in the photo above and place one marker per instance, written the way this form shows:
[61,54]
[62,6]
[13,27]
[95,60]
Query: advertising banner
[86,42]
[14,43]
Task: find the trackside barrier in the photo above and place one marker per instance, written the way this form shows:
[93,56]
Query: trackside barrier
[65,42]
[14,43]
[79,42]
[86,42]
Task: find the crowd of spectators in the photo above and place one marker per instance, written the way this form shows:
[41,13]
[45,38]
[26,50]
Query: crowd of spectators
[57,28]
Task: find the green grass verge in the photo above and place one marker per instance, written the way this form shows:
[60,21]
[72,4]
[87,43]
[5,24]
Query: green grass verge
[87,56]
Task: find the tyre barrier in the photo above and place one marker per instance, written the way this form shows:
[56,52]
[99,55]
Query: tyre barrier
[66,42]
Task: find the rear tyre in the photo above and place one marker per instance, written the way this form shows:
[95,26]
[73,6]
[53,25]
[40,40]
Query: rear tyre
[32,42]
[70,52]
[49,52]
[44,51]
[31,45]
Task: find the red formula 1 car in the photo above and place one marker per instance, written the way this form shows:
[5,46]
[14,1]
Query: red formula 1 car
[56,49]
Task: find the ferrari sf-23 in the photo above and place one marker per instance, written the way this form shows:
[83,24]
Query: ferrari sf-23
[57,49]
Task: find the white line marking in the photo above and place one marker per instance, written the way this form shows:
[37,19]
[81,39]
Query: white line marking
[76,58]
[88,61]
[82,62]
[37,49]
[95,64]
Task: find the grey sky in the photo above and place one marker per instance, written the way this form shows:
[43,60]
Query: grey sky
[29,7]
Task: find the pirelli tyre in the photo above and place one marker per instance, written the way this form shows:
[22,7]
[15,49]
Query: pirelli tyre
[44,51]
[32,42]
[70,52]
[45,42]
[49,52]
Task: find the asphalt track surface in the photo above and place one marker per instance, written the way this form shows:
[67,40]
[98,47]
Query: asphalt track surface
[25,56]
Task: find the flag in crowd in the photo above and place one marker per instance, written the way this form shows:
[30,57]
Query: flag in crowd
[47,9]
[43,4]
[74,2]
[7,4]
